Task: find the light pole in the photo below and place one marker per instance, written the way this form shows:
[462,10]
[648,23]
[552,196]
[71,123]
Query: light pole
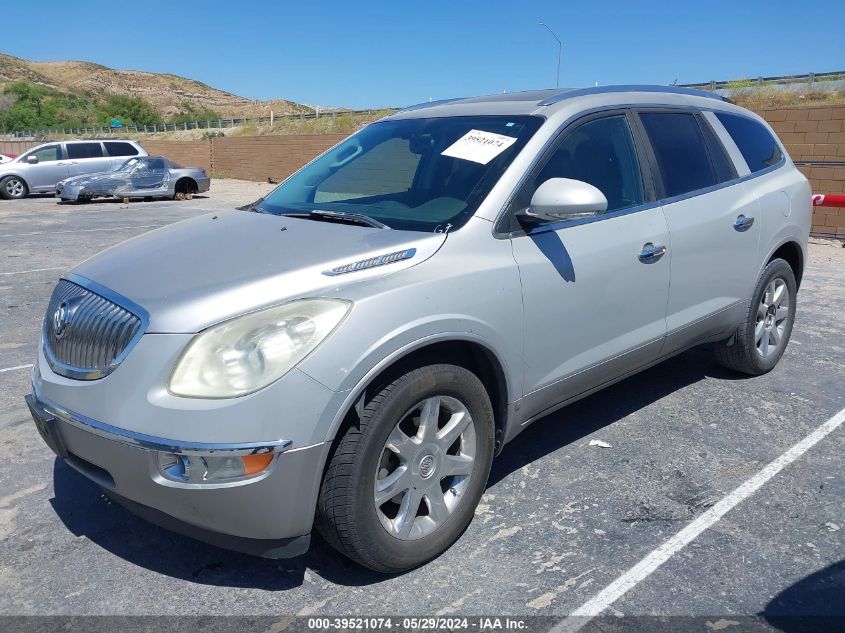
[559,51]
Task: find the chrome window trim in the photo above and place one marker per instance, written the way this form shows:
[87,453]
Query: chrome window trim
[69,371]
[48,408]
[506,210]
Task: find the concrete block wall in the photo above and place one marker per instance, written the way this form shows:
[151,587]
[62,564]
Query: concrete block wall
[815,139]
[185,153]
[263,158]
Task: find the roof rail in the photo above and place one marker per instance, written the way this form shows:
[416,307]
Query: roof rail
[98,138]
[581,92]
[428,104]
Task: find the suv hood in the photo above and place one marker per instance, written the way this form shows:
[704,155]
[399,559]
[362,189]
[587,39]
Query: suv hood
[196,273]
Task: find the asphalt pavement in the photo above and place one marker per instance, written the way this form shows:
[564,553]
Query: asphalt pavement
[561,521]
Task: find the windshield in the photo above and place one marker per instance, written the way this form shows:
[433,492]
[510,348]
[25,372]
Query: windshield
[411,174]
[128,165]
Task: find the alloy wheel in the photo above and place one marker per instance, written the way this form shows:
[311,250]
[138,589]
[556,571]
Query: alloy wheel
[14,187]
[772,318]
[424,467]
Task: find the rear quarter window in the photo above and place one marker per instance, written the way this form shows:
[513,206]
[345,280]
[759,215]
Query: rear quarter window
[756,144]
[119,148]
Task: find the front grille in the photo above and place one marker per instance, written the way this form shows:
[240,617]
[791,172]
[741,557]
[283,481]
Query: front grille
[86,335]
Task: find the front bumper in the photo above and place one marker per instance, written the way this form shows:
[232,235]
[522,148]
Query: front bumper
[67,191]
[269,514]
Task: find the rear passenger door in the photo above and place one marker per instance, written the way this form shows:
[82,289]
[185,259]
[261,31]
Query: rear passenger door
[713,222]
[87,158]
[119,151]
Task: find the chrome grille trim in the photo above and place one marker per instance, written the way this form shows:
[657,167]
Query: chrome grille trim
[102,329]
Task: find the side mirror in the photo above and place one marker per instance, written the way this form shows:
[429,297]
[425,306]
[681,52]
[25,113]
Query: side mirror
[565,199]
[32,159]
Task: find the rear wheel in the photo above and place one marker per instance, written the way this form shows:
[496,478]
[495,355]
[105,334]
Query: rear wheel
[403,484]
[13,188]
[761,339]
[184,189]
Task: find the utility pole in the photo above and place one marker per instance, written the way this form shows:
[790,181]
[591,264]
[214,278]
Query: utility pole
[559,52]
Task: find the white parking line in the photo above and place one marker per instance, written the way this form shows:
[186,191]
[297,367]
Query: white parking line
[113,228]
[631,578]
[5,369]
[34,270]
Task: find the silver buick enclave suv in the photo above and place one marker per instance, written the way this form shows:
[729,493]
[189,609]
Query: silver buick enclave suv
[354,350]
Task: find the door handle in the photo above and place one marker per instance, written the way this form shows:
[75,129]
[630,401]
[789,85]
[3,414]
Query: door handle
[651,253]
[743,223]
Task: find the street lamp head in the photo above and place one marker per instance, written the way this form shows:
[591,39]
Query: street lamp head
[559,50]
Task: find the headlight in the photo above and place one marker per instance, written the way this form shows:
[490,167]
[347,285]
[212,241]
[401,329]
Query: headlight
[250,352]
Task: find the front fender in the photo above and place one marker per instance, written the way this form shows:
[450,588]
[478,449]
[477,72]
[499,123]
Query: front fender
[380,360]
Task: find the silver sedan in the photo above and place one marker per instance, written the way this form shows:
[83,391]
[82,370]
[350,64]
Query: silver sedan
[137,177]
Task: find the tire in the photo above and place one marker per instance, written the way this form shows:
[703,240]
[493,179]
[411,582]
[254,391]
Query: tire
[761,339]
[13,188]
[349,516]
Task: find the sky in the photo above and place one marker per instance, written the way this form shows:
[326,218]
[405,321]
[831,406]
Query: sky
[373,54]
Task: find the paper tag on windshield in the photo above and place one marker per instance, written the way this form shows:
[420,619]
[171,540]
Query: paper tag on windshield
[479,146]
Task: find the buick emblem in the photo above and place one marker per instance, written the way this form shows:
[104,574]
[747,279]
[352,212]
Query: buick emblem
[61,319]
[427,466]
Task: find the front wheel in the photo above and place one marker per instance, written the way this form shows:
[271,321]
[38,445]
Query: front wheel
[761,339]
[403,484]
[13,188]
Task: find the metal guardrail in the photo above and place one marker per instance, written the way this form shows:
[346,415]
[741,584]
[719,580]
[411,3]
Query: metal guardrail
[161,128]
[782,80]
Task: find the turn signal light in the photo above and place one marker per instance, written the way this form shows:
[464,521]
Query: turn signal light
[254,464]
[212,468]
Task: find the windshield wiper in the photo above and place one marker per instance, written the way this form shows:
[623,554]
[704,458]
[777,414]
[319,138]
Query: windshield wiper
[339,216]
[252,206]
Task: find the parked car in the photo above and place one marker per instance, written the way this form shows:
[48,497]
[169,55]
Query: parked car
[6,158]
[355,352]
[140,176]
[39,169]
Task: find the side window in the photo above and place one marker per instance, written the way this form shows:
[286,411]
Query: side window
[754,141]
[119,148]
[84,150]
[48,153]
[602,153]
[155,164]
[388,168]
[721,163]
[679,146]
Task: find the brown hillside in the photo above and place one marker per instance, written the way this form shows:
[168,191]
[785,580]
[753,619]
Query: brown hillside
[165,91]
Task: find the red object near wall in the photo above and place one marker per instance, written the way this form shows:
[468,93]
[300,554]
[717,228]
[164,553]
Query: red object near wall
[828,200]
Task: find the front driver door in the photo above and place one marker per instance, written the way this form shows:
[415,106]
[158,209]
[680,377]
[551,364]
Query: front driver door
[149,174]
[50,168]
[594,299]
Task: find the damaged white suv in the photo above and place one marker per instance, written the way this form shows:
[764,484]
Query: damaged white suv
[355,351]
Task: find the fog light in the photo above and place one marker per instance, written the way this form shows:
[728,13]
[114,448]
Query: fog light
[211,468]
